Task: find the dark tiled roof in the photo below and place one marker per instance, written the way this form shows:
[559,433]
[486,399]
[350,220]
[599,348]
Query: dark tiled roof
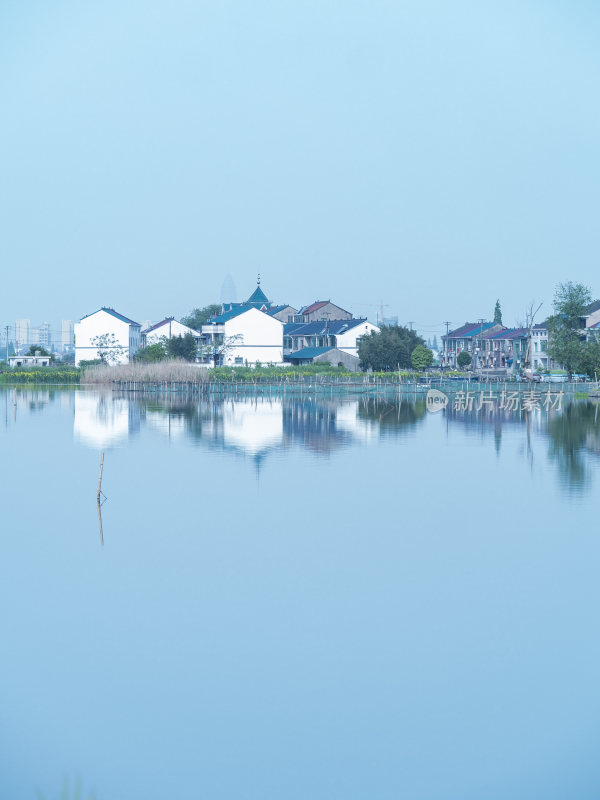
[258,297]
[276,309]
[321,327]
[308,352]
[469,329]
[507,333]
[115,314]
[595,306]
[234,311]
[159,324]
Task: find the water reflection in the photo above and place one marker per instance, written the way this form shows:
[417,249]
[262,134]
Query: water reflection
[257,427]
[574,436]
[102,420]
[252,426]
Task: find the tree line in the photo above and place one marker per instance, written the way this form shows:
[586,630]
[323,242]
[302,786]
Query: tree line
[393,347]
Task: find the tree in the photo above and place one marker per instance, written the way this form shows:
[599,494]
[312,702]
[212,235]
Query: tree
[219,348]
[182,347]
[497,313]
[108,348]
[36,350]
[200,316]
[421,357]
[464,359]
[388,349]
[435,344]
[567,344]
[151,353]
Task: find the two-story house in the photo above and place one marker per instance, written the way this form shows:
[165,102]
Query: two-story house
[469,338]
[242,336]
[306,342]
[106,334]
[504,349]
[166,329]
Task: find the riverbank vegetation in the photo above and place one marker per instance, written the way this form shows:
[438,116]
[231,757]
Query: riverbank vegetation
[52,374]
[175,371]
[178,371]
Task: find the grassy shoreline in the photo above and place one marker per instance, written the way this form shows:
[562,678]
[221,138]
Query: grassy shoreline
[174,371]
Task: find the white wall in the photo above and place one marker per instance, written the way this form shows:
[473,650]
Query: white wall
[347,341]
[261,338]
[99,323]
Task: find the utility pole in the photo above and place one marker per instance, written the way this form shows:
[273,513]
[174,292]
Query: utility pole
[411,323]
[7,344]
[447,323]
[530,317]
[481,320]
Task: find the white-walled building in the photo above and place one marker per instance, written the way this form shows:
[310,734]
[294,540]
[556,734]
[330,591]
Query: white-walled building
[243,335]
[28,361]
[342,334]
[121,337]
[169,327]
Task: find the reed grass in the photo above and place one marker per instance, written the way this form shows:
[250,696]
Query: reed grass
[170,371]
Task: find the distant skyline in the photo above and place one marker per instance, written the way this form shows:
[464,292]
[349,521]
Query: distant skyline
[435,156]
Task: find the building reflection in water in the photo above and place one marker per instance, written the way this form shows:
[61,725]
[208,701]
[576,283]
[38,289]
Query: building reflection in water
[572,436]
[258,427]
[252,426]
[101,420]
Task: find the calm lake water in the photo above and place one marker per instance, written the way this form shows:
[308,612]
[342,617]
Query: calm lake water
[298,600]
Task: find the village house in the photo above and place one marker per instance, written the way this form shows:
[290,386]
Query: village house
[592,315]
[324,355]
[106,331]
[539,357]
[242,336]
[466,338]
[504,349]
[284,313]
[37,360]
[166,329]
[321,310]
[305,342]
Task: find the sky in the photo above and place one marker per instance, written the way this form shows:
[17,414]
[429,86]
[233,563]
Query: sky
[433,156]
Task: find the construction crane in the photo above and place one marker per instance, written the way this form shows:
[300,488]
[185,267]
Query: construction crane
[378,306]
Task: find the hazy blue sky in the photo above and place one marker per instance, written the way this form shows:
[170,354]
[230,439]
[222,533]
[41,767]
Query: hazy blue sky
[435,154]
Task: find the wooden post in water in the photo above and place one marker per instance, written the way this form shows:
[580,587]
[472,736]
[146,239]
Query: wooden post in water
[100,521]
[100,477]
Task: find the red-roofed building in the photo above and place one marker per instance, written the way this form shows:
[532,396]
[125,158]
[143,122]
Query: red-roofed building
[321,310]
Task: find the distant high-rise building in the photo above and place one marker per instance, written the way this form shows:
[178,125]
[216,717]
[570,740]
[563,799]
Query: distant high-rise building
[42,336]
[22,333]
[228,292]
[67,337]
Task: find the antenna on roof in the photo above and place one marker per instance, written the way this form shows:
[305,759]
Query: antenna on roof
[258,279]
